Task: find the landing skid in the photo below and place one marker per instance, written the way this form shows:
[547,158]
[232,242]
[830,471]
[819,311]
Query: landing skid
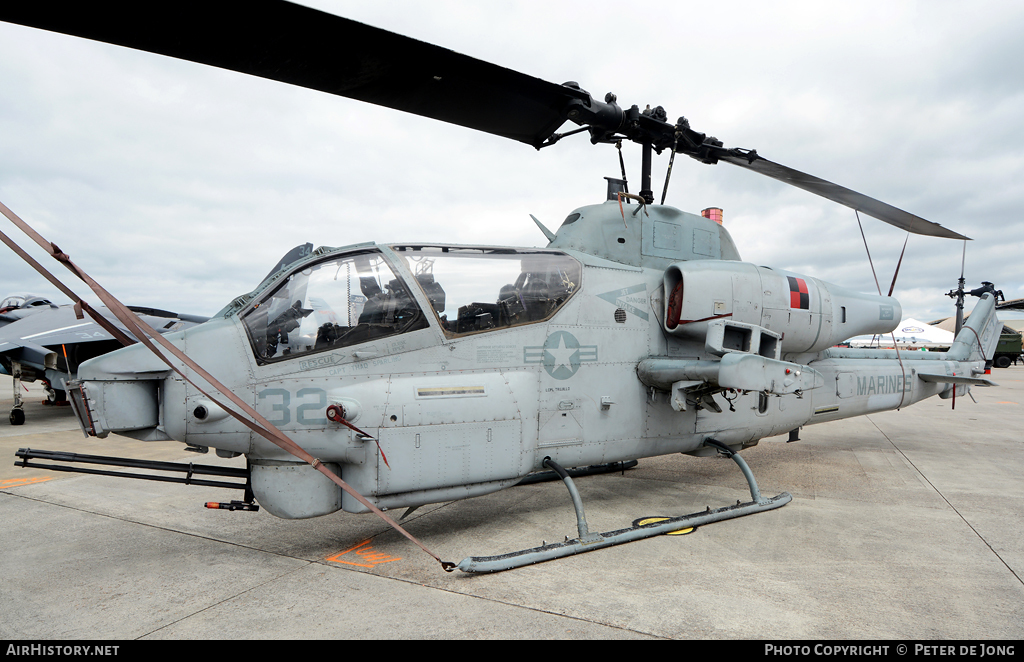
[17,416]
[588,542]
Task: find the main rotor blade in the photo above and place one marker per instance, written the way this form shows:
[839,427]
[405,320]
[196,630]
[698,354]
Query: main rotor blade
[309,48]
[301,46]
[844,196]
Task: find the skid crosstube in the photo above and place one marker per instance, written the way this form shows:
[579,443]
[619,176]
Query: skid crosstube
[588,542]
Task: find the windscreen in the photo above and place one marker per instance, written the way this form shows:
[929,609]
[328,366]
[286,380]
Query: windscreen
[342,301]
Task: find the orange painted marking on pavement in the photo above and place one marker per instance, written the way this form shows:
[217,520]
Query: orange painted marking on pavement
[1007,402]
[367,556]
[18,482]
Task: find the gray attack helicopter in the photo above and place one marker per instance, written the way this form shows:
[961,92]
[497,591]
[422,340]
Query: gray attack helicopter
[423,373]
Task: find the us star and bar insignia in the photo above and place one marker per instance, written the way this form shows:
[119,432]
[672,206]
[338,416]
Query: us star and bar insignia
[561,354]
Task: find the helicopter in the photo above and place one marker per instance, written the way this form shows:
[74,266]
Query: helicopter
[637,331]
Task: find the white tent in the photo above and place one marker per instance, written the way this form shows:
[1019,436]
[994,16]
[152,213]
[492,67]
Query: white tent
[911,330]
[910,333]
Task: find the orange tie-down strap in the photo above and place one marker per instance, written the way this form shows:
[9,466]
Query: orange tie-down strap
[145,334]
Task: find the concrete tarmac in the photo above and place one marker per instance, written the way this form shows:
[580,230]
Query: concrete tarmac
[904,525]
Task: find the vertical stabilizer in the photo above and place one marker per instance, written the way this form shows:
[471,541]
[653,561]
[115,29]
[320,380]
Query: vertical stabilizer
[978,338]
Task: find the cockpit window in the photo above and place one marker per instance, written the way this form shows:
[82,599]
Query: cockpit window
[343,301]
[482,289]
[12,301]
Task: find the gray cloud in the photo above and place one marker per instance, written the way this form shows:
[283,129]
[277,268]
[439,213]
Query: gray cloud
[179,185]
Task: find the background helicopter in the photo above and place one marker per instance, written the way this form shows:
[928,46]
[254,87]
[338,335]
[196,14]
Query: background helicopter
[269,356]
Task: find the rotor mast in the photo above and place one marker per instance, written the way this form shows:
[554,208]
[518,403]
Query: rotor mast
[607,122]
[645,174]
[958,294]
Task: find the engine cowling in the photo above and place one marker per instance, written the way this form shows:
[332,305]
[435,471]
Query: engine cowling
[809,313]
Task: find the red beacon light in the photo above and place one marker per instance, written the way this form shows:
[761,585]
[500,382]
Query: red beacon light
[714,213]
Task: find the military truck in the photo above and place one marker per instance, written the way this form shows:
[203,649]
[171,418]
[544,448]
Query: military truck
[1009,348]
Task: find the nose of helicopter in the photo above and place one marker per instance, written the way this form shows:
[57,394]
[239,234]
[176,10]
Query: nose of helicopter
[125,391]
[134,393]
[118,392]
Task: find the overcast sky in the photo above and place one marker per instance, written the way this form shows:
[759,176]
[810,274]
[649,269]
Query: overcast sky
[179,186]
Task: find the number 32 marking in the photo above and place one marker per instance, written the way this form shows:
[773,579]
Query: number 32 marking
[310,411]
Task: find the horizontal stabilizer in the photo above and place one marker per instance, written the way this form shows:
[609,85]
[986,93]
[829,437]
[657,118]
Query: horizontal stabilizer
[952,379]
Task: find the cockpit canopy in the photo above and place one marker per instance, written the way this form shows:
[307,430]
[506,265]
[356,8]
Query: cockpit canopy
[13,301]
[482,289]
[355,297]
